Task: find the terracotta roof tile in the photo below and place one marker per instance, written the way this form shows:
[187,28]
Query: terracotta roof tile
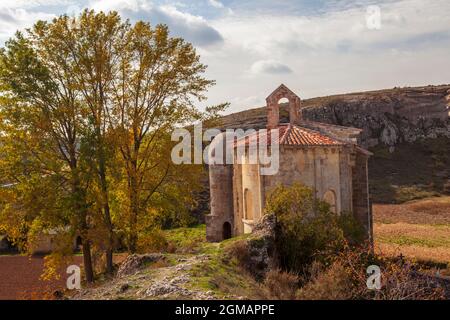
[293,135]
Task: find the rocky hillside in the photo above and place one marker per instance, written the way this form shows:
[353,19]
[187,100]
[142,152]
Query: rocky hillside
[388,116]
[195,269]
[241,268]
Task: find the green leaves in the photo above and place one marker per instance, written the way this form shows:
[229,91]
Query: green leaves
[308,230]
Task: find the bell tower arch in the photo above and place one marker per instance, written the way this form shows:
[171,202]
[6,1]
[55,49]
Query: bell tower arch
[273,107]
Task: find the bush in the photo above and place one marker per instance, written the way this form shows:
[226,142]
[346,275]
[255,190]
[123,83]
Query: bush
[239,251]
[280,285]
[354,233]
[326,284]
[329,252]
[154,241]
[345,278]
[306,229]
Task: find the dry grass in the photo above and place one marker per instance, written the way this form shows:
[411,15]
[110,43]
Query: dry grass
[280,285]
[430,211]
[330,284]
[420,253]
[417,229]
[431,236]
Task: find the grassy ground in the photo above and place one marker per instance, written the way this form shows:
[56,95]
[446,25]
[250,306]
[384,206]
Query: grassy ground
[219,275]
[417,229]
[191,269]
[414,171]
[195,269]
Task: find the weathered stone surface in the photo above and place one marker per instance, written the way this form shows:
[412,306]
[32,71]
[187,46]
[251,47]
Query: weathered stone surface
[169,287]
[144,282]
[261,247]
[135,262]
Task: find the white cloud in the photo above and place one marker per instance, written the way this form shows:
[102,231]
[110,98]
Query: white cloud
[191,27]
[269,67]
[13,19]
[326,45]
[332,52]
[26,4]
[119,5]
[219,5]
[216,4]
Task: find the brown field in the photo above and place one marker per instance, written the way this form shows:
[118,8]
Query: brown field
[433,211]
[20,278]
[418,229]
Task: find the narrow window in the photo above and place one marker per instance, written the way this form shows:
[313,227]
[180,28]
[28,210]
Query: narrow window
[330,198]
[248,201]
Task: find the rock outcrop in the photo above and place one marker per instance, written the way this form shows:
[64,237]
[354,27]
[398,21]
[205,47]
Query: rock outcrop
[260,248]
[135,262]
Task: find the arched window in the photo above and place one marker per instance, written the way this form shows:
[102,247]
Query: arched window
[248,202]
[330,198]
[284,112]
[226,231]
[280,95]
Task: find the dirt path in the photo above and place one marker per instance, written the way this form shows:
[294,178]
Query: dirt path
[19,278]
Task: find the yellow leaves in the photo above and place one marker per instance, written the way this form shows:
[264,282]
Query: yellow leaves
[54,265]
[90,115]
[152,241]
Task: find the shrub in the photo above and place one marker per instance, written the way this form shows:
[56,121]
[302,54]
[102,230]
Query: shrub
[154,241]
[326,284]
[280,285]
[345,278]
[239,251]
[353,231]
[306,229]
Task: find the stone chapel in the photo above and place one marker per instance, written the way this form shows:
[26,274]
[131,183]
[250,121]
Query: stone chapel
[325,157]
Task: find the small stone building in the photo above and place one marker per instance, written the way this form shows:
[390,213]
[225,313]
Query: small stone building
[325,157]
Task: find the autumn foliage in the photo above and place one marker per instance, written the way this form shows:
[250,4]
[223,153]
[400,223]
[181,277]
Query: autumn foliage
[88,105]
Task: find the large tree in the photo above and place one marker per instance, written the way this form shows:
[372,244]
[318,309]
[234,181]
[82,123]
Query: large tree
[159,79]
[42,124]
[99,98]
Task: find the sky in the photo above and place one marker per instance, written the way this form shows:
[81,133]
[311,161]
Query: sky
[315,47]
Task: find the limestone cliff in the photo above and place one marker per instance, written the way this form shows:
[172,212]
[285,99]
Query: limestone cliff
[388,116]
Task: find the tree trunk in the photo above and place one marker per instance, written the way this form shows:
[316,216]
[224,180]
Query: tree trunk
[101,158]
[107,217]
[110,245]
[134,204]
[82,225]
[87,261]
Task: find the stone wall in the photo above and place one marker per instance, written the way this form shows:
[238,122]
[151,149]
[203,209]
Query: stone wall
[346,179]
[361,205]
[316,167]
[221,186]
